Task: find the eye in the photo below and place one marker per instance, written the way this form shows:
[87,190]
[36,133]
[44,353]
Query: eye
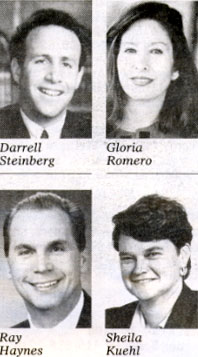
[127,259]
[40,60]
[156,51]
[67,65]
[130,50]
[58,248]
[25,252]
[153,255]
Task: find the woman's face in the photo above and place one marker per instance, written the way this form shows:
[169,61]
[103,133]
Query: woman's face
[145,61]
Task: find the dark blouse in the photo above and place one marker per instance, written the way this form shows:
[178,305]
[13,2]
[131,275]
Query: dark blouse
[151,131]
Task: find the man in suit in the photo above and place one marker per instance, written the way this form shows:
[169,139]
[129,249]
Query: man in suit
[44,242]
[48,54]
[153,238]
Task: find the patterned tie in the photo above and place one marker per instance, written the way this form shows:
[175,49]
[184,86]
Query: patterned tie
[44,135]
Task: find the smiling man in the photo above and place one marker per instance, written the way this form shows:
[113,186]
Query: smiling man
[153,239]
[48,54]
[44,241]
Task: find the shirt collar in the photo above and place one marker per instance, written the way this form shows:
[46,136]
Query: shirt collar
[138,320]
[35,130]
[71,320]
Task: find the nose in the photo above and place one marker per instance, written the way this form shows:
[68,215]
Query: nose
[43,263]
[142,62]
[140,266]
[54,74]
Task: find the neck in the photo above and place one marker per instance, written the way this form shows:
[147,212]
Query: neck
[48,318]
[139,114]
[156,310]
[40,119]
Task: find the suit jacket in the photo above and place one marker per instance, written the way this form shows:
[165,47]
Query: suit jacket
[84,319]
[183,315]
[77,125]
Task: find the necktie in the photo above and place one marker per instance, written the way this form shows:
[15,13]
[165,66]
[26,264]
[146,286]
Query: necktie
[44,135]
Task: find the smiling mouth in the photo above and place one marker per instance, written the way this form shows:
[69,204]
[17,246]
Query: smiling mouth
[139,281]
[45,285]
[51,92]
[141,81]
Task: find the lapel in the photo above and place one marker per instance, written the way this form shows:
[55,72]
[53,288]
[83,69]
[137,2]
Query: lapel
[85,316]
[185,310]
[17,128]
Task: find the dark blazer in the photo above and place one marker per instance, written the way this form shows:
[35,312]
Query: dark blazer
[183,315]
[84,319]
[77,125]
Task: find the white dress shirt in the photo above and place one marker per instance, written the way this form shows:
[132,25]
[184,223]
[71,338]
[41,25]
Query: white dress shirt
[35,130]
[138,320]
[71,320]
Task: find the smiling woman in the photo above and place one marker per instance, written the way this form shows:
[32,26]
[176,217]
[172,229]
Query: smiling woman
[152,80]
[153,238]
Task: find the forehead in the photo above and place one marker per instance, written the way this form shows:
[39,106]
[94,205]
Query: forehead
[131,245]
[53,40]
[33,226]
[144,31]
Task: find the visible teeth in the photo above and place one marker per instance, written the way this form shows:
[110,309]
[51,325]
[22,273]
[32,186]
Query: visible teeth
[142,81]
[51,92]
[46,285]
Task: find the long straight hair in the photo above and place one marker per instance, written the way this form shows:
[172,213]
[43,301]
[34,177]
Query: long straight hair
[179,113]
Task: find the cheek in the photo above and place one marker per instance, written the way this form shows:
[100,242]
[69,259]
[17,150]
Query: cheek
[126,270]
[164,67]
[122,65]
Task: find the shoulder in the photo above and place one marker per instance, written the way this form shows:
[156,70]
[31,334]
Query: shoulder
[185,310]
[11,124]
[120,317]
[85,317]
[77,125]
[23,324]
[11,109]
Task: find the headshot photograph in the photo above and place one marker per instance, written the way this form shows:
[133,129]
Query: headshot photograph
[45,277]
[152,80]
[148,258]
[153,238]
[46,69]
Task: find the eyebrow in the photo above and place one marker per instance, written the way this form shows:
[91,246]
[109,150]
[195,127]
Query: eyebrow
[27,246]
[58,241]
[148,250]
[23,246]
[64,58]
[152,43]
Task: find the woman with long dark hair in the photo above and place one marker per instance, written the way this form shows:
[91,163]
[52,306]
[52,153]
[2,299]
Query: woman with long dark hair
[152,80]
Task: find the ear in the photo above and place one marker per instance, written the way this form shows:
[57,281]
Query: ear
[175,75]
[16,70]
[83,260]
[184,257]
[79,77]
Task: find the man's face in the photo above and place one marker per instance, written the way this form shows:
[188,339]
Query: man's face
[44,260]
[151,270]
[50,73]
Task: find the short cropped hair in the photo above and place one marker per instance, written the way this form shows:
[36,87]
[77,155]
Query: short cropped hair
[48,201]
[45,17]
[152,218]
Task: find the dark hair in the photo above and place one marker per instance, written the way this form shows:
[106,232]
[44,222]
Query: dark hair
[154,218]
[45,17]
[179,112]
[49,201]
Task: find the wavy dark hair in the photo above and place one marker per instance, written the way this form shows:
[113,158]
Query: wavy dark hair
[179,113]
[153,218]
